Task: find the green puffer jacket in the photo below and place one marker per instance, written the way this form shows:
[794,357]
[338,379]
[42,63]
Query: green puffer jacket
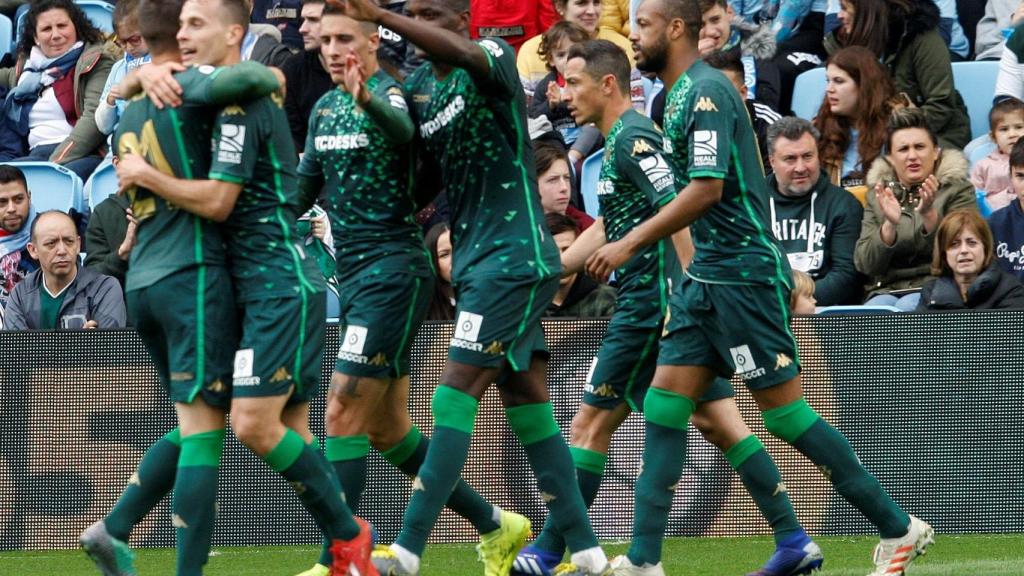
[907,263]
[90,77]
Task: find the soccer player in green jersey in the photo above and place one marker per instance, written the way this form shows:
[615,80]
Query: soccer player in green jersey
[175,291]
[280,293]
[637,178]
[360,146]
[730,314]
[470,112]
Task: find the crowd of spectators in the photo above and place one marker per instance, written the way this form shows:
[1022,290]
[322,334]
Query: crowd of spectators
[872,200]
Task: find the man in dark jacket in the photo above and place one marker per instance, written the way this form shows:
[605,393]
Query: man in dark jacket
[578,295]
[816,222]
[110,237]
[62,295]
[306,76]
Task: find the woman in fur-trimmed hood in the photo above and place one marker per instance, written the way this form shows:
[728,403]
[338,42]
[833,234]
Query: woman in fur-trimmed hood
[917,57]
[911,188]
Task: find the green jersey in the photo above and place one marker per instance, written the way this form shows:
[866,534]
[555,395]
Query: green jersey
[636,180]
[253,147]
[368,178]
[175,141]
[711,137]
[474,127]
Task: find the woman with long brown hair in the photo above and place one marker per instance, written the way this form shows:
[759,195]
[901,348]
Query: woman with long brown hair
[853,116]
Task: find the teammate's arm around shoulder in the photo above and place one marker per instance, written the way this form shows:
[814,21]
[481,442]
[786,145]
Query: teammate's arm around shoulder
[387,109]
[210,199]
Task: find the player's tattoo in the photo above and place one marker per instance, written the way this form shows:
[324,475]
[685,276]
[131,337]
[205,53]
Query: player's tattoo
[346,386]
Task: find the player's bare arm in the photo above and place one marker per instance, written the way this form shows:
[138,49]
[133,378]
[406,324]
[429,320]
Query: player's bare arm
[444,46]
[586,244]
[692,202]
[210,199]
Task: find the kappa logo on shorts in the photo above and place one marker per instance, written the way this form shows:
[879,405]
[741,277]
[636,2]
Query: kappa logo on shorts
[217,387]
[603,391]
[244,369]
[352,345]
[280,375]
[495,349]
[782,361]
[467,331]
[705,148]
[232,143]
[744,362]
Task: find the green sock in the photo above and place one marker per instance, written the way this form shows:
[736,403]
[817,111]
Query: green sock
[153,479]
[589,470]
[195,498]
[408,456]
[534,425]
[666,415]
[319,491]
[799,425]
[763,482]
[347,455]
[454,413]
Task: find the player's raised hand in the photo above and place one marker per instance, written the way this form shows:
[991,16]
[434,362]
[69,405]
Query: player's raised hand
[607,259]
[159,83]
[355,79]
[366,10]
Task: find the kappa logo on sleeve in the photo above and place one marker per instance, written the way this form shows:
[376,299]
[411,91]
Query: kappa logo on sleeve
[232,143]
[641,146]
[658,172]
[705,104]
[705,148]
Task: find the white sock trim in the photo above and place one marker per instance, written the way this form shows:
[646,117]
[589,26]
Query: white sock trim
[591,559]
[496,514]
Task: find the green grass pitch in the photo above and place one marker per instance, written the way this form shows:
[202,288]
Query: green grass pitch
[990,555]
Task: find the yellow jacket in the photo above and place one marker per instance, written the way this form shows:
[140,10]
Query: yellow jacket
[615,15]
[532,68]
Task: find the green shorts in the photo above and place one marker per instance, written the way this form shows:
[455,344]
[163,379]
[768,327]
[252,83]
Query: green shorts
[282,346]
[741,330]
[379,319]
[624,367]
[497,319]
[187,321]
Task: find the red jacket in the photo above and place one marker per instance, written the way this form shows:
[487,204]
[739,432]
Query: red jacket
[514,21]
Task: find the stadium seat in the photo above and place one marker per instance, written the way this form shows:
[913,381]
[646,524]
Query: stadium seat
[856,310]
[101,184]
[333,306]
[976,82]
[808,92]
[589,175]
[6,34]
[979,148]
[100,13]
[53,187]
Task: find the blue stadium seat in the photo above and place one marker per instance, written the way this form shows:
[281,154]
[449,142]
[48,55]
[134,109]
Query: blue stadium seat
[976,82]
[53,187]
[808,92]
[333,306]
[979,148]
[6,34]
[100,13]
[856,310]
[589,174]
[101,184]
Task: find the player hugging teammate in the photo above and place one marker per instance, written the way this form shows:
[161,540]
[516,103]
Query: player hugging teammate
[691,196]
